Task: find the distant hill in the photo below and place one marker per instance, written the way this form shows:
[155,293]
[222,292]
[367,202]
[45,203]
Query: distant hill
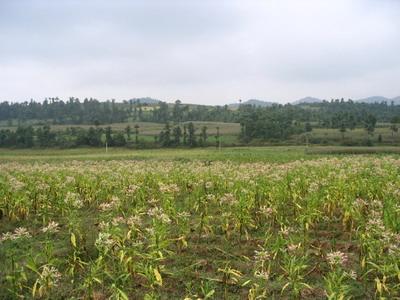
[311,100]
[255,102]
[307,100]
[379,99]
[368,100]
[374,99]
[146,100]
[396,100]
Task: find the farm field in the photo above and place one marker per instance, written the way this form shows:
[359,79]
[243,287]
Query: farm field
[230,132]
[272,154]
[240,223]
[357,135]
[151,128]
[236,154]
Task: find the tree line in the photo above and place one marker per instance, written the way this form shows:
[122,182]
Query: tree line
[328,114]
[169,136]
[279,122]
[93,112]
[276,123]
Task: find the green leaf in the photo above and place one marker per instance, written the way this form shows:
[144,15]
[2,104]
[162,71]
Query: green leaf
[31,266]
[123,295]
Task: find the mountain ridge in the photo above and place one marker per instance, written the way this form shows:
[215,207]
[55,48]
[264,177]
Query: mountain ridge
[312,100]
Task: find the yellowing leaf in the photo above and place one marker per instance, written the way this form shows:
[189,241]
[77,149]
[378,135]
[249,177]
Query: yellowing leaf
[246,283]
[363,263]
[184,242]
[378,285]
[158,277]
[34,289]
[73,240]
[209,294]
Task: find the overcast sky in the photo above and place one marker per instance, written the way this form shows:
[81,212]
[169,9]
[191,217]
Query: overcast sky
[199,51]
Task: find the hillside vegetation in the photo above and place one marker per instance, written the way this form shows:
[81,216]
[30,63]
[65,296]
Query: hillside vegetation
[155,124]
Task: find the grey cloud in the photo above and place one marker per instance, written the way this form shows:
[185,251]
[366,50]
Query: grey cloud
[199,51]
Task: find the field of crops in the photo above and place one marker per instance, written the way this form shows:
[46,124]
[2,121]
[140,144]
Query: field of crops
[316,229]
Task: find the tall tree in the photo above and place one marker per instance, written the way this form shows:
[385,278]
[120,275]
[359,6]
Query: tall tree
[191,135]
[217,138]
[45,137]
[128,132]
[369,124]
[307,127]
[165,136]
[24,136]
[185,134]
[342,129]
[177,111]
[393,126]
[204,135]
[109,137]
[137,133]
[119,140]
[352,123]
[161,114]
[93,137]
[177,132]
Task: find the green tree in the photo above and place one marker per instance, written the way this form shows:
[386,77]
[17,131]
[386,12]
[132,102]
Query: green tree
[307,127]
[185,135]
[93,137]
[128,132]
[369,124]
[165,136]
[352,123]
[177,111]
[191,135]
[342,129]
[217,138]
[203,135]
[24,136]
[161,114]
[393,126]
[119,140]
[45,137]
[109,137]
[177,132]
[137,133]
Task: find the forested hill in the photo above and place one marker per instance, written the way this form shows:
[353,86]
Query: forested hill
[94,112]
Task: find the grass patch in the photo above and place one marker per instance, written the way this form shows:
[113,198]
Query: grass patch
[351,150]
